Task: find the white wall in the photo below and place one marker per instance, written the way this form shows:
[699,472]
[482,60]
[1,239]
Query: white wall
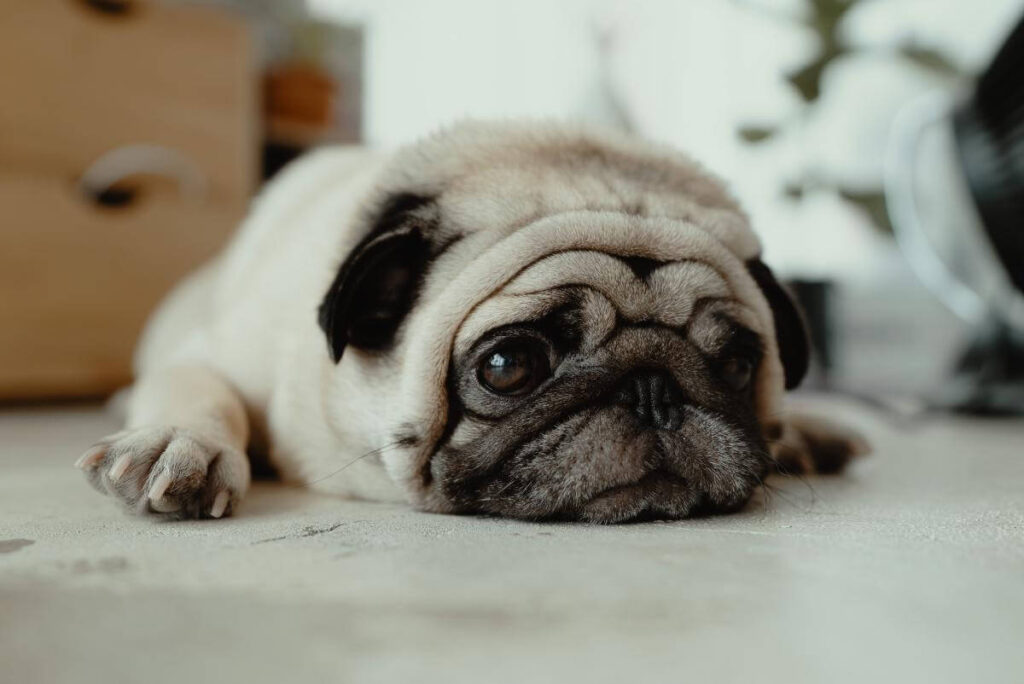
[690,72]
[432,62]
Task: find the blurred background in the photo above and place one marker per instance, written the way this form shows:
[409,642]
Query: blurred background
[133,133]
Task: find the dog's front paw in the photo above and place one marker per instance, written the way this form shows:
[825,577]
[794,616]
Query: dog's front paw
[168,471]
[809,444]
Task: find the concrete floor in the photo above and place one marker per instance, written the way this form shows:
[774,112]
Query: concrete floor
[910,568]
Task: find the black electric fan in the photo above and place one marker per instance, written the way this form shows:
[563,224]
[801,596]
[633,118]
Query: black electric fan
[955,192]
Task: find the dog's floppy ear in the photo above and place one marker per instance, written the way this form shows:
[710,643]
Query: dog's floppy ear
[790,331]
[377,284]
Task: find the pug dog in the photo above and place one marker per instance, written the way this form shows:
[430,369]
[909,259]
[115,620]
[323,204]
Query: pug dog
[516,319]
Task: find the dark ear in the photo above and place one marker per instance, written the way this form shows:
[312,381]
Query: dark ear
[377,284]
[790,331]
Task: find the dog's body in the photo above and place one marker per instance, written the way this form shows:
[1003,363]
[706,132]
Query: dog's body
[531,321]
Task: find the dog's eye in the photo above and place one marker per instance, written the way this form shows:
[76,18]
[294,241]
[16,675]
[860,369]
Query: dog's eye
[513,369]
[738,372]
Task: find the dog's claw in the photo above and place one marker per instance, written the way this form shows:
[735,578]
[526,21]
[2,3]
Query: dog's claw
[119,467]
[91,458]
[220,504]
[160,485]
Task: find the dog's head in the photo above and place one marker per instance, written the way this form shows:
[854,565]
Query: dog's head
[576,326]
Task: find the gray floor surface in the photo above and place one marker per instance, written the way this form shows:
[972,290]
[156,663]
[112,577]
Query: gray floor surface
[910,568]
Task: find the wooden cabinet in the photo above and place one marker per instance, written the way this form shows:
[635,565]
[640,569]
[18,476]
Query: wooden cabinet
[156,108]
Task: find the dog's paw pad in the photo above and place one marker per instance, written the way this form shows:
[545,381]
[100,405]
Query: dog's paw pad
[167,471]
[814,445]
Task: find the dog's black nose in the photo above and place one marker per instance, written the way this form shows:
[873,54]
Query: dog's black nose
[655,398]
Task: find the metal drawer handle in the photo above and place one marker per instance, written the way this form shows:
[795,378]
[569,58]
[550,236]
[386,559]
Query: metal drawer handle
[114,8]
[106,181]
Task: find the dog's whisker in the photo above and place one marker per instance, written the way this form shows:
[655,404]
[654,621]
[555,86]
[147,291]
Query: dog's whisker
[372,452]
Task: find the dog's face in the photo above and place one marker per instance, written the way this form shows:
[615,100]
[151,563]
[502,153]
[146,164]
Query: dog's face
[579,414]
[595,384]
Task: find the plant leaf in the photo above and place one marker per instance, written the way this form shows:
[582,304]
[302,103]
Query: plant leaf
[756,134]
[872,203]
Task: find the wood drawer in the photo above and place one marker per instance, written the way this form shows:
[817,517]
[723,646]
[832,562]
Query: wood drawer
[78,82]
[77,280]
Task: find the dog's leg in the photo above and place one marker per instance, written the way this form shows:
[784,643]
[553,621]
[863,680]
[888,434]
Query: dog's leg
[809,444]
[182,453]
